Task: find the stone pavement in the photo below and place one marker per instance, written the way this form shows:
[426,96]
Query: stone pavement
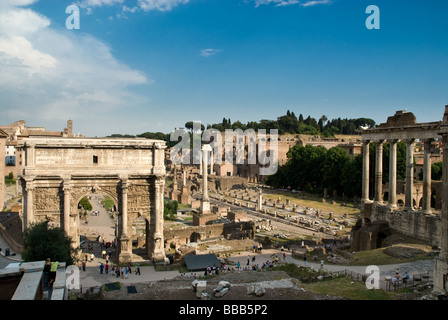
[412,268]
[92,277]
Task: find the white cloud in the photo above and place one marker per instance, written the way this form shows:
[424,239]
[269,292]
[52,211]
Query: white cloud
[315,2]
[98,3]
[283,3]
[209,52]
[161,5]
[48,73]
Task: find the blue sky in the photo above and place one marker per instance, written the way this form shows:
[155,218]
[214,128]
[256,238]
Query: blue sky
[152,65]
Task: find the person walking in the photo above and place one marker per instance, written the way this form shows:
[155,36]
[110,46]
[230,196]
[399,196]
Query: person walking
[304,260]
[83,265]
[106,268]
[137,270]
[101,268]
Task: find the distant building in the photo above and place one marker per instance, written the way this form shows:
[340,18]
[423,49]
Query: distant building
[14,157]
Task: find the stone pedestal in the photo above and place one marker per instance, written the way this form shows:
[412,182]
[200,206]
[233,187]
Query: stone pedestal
[125,255]
[200,219]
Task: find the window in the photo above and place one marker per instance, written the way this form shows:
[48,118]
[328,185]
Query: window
[95,159]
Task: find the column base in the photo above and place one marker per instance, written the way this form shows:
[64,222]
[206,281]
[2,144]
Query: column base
[124,257]
[440,275]
[125,250]
[392,207]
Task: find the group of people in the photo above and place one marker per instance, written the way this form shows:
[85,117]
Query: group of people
[396,278]
[49,272]
[257,248]
[122,272]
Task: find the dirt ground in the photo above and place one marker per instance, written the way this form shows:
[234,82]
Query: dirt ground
[278,286]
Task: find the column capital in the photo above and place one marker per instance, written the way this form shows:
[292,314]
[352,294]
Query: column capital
[393,140]
[379,141]
[66,184]
[409,141]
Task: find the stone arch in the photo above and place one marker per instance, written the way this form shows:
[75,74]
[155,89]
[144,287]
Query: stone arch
[59,172]
[195,236]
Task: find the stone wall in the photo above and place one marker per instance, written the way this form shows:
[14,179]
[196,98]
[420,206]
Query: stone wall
[11,231]
[185,235]
[411,223]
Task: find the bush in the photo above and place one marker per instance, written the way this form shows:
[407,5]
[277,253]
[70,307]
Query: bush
[41,242]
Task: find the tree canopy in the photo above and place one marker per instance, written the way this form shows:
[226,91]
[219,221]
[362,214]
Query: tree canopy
[41,242]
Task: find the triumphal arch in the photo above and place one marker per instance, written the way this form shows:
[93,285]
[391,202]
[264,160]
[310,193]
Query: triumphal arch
[59,172]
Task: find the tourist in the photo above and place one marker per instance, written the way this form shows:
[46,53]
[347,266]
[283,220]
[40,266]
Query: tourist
[83,265]
[106,268]
[406,277]
[126,273]
[137,270]
[47,269]
[304,260]
[54,267]
[101,268]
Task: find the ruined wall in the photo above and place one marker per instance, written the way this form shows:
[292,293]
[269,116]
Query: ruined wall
[415,224]
[185,235]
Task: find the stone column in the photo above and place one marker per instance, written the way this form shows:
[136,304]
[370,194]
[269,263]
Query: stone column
[379,171]
[259,200]
[205,203]
[408,203]
[365,171]
[125,245]
[200,163]
[211,162]
[426,201]
[124,207]
[29,188]
[158,251]
[393,174]
[66,187]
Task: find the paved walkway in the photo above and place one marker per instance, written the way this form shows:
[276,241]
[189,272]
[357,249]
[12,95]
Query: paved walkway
[412,268]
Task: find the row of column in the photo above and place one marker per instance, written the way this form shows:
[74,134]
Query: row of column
[409,185]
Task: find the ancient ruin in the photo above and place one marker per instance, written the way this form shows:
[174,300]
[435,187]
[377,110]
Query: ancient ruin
[426,223]
[59,172]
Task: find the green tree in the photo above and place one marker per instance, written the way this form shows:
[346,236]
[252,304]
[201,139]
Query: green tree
[85,204]
[41,242]
[335,160]
[170,209]
[351,177]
